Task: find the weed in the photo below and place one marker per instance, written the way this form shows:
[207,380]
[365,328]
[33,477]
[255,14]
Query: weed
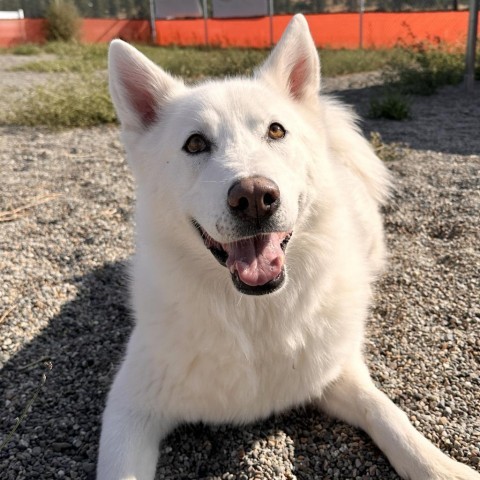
[342,62]
[388,152]
[63,21]
[83,103]
[424,67]
[83,100]
[195,63]
[26,49]
[392,106]
[70,57]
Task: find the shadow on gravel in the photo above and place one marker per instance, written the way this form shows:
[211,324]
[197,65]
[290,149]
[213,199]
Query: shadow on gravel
[85,343]
[302,443]
[445,122]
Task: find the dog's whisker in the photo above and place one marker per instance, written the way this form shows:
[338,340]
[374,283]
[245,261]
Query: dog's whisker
[240,298]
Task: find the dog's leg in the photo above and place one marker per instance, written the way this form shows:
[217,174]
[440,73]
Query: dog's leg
[355,399]
[130,436]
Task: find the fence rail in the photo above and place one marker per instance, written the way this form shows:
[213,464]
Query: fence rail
[140,9]
[341,30]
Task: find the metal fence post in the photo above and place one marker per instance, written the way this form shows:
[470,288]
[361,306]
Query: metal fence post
[471,44]
[205,21]
[360,25]
[153,27]
[270,11]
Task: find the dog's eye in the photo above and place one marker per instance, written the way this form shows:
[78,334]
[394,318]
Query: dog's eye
[196,143]
[276,131]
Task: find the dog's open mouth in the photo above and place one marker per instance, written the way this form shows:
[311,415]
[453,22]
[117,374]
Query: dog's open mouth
[255,263]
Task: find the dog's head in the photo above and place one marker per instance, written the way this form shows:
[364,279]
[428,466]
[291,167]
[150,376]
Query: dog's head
[231,158]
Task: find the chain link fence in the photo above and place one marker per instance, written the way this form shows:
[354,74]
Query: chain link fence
[141,9]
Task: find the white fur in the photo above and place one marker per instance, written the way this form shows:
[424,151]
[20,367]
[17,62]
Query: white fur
[200,350]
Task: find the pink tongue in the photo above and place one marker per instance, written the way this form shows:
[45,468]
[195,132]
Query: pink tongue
[256,260]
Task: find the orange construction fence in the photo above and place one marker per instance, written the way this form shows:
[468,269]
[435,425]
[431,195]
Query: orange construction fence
[93,30]
[28,30]
[336,30]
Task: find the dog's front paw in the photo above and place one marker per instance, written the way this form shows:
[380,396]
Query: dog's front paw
[448,469]
[432,464]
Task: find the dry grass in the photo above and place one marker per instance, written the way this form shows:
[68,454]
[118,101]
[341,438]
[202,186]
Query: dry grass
[7,312]
[48,366]
[23,210]
[78,102]
[385,151]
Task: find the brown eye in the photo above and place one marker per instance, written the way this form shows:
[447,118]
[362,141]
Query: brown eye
[196,143]
[276,131]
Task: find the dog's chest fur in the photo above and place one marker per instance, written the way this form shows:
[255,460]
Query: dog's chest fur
[218,358]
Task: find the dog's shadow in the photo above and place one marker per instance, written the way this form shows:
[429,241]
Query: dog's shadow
[85,343]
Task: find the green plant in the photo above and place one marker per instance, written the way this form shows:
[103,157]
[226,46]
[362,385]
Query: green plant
[198,62]
[83,103]
[26,49]
[343,61]
[392,105]
[388,152]
[69,57]
[424,67]
[204,62]
[62,21]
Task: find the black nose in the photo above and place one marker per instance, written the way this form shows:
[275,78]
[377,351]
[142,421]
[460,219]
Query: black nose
[254,198]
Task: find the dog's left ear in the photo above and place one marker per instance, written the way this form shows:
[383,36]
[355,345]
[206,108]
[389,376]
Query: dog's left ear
[294,65]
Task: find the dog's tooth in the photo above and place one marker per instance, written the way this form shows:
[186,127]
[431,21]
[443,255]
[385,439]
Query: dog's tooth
[281,260]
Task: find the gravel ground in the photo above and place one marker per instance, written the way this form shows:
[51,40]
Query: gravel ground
[62,287]
[13,84]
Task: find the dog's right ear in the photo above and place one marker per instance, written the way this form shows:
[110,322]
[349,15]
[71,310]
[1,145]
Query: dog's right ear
[138,87]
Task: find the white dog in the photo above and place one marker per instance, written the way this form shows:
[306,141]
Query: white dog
[258,238]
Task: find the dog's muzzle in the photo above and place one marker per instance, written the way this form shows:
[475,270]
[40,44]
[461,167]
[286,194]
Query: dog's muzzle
[256,260]
[257,263]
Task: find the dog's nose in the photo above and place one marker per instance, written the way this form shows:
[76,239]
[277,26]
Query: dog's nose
[254,198]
